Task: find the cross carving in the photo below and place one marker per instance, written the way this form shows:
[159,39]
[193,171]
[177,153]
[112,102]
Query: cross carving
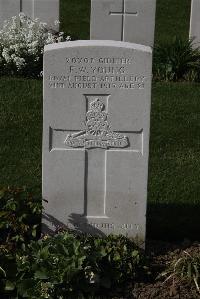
[21,5]
[123,13]
[97,140]
[31,6]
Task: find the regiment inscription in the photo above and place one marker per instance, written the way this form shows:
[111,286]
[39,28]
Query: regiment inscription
[107,72]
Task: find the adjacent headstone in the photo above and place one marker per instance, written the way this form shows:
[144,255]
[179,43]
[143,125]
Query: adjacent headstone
[97,97]
[195,22]
[123,20]
[8,9]
[46,11]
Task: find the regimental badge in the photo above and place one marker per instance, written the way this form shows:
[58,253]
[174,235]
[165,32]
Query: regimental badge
[98,132]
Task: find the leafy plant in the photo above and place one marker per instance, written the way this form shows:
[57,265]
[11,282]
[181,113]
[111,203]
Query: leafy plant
[7,271]
[176,61]
[187,267]
[68,266]
[20,216]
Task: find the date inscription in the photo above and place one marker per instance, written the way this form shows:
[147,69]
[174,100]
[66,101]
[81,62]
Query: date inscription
[101,73]
[106,226]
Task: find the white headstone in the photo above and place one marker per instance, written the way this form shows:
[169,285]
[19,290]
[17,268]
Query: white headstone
[195,22]
[123,20]
[46,11]
[97,97]
[8,9]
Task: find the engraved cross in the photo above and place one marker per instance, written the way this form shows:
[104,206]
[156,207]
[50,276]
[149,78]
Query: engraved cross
[123,13]
[96,141]
[21,5]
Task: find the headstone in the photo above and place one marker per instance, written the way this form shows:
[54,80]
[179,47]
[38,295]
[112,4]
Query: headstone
[8,9]
[123,20]
[195,22]
[46,11]
[97,97]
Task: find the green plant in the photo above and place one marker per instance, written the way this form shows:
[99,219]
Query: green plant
[176,61]
[187,268]
[68,266]
[117,258]
[7,271]
[20,216]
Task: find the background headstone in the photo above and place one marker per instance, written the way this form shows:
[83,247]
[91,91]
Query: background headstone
[195,22]
[123,20]
[45,10]
[97,97]
[8,9]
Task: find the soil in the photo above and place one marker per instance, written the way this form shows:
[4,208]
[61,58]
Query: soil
[161,255]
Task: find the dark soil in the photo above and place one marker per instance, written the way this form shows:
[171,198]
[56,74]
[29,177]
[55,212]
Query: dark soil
[161,255]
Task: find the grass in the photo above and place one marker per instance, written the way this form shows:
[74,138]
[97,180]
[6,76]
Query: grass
[75,18]
[172,18]
[174,172]
[21,132]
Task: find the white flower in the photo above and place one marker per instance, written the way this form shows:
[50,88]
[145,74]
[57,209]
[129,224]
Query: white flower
[56,22]
[22,42]
[5,54]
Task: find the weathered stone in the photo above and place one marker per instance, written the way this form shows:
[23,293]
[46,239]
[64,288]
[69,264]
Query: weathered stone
[97,97]
[123,20]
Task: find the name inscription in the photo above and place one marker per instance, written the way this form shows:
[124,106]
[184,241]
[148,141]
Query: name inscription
[92,73]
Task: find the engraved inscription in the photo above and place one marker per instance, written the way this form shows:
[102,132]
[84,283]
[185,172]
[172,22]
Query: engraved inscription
[101,72]
[104,225]
[98,133]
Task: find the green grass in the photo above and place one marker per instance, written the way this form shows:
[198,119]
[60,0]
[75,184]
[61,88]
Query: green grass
[174,172]
[21,132]
[172,18]
[75,18]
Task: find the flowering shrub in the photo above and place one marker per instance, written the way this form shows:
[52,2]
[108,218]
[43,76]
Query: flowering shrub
[22,42]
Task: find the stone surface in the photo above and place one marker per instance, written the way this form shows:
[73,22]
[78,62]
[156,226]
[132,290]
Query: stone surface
[97,98]
[8,9]
[46,10]
[123,20]
[195,22]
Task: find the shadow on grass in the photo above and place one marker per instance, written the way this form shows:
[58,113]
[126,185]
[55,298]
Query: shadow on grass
[171,222]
